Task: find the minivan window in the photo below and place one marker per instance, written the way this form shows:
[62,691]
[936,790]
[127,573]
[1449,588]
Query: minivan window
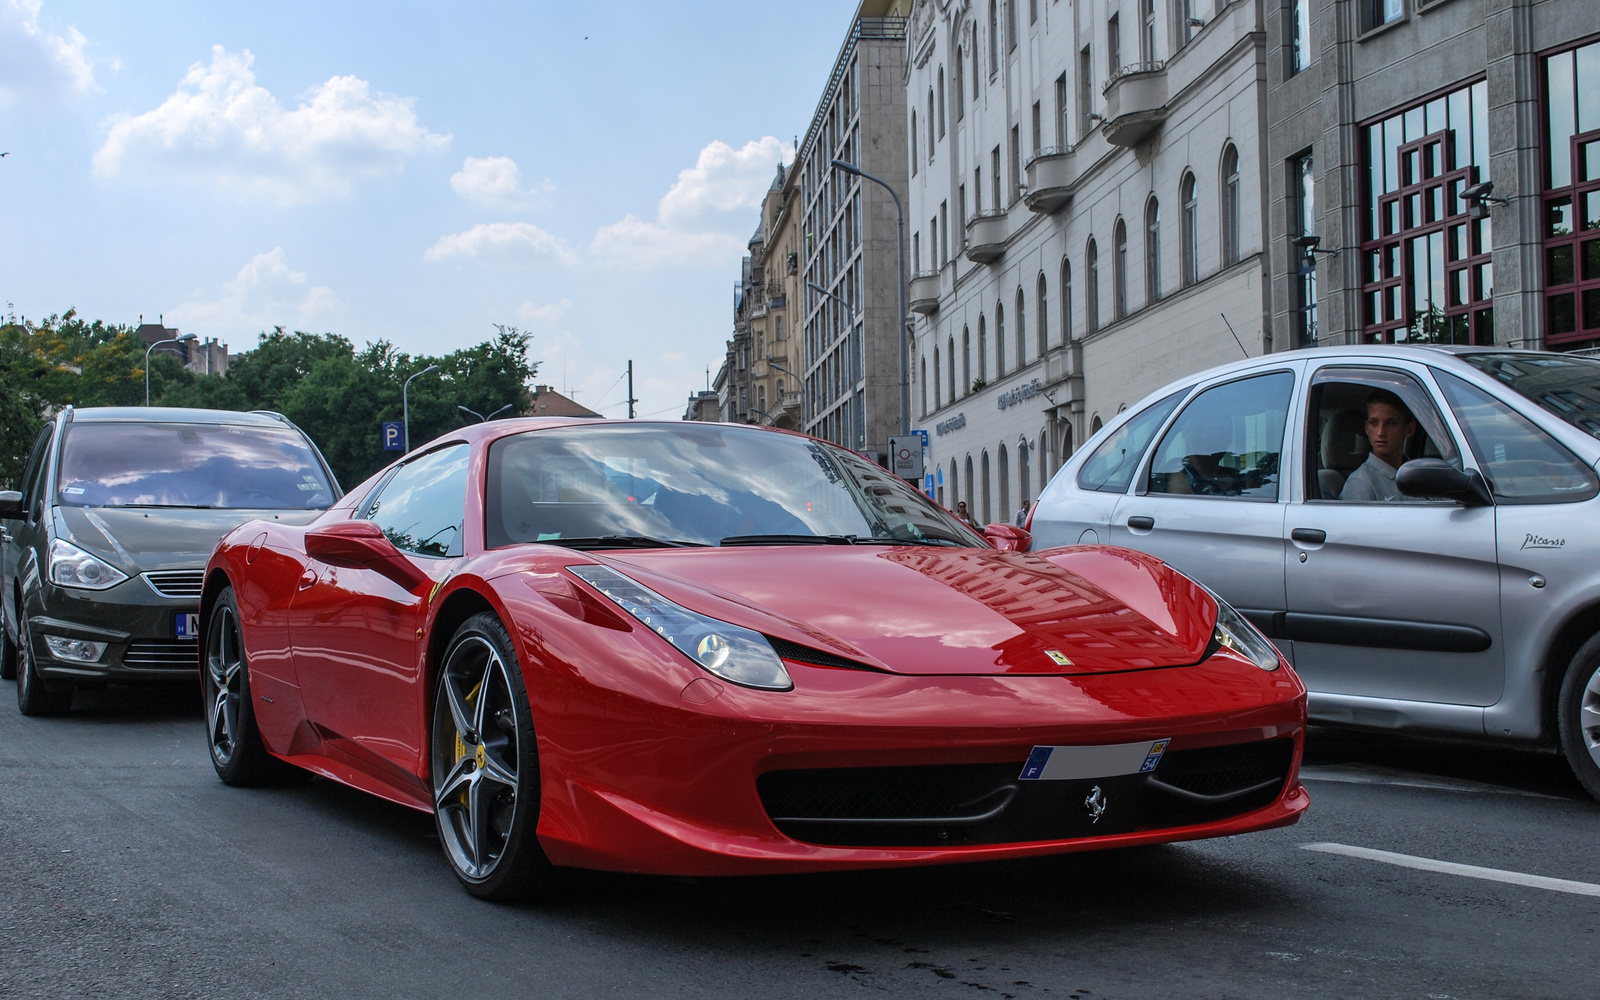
[1110,469]
[1522,463]
[1568,387]
[422,505]
[224,466]
[1228,442]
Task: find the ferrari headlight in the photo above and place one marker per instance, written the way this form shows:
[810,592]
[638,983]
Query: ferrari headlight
[1235,632]
[70,566]
[731,652]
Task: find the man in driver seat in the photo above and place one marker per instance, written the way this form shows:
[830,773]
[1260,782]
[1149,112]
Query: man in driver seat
[1389,426]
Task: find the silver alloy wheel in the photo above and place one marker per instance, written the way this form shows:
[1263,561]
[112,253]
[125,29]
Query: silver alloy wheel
[224,683]
[1589,716]
[475,753]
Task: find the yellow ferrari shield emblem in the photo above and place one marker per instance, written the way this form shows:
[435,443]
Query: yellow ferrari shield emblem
[1059,657]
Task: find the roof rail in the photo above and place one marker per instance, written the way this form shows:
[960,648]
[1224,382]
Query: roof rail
[66,414]
[274,414]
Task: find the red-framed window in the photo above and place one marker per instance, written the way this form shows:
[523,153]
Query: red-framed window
[1571,206]
[1426,276]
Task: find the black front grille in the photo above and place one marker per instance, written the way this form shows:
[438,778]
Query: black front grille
[161,656]
[950,804]
[177,582]
[816,657]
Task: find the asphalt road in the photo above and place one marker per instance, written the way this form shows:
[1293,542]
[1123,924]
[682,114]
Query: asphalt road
[131,871]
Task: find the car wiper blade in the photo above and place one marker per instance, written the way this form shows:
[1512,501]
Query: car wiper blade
[167,506]
[620,542]
[789,540]
[927,540]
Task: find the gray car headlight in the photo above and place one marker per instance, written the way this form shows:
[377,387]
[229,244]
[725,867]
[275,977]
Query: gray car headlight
[731,652]
[70,566]
[1235,632]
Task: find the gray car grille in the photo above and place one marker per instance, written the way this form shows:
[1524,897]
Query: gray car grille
[161,656]
[177,582]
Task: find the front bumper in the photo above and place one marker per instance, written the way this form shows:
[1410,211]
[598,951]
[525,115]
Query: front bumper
[137,625]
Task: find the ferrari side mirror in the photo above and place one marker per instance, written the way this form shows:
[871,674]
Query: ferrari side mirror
[1436,479]
[363,545]
[1007,537]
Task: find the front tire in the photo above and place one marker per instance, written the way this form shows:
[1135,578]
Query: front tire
[34,696]
[1578,715]
[485,767]
[237,753]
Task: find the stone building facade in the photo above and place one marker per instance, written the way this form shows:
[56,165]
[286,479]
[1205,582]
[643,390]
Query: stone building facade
[1385,116]
[1087,199]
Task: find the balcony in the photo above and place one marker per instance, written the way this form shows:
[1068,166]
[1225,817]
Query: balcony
[923,295]
[1052,177]
[986,236]
[1136,103]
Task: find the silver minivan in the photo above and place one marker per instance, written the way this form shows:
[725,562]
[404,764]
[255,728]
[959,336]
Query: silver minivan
[1417,528]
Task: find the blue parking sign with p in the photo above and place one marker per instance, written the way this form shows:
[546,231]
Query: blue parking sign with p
[394,436]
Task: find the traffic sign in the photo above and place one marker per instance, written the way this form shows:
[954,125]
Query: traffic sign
[394,436]
[905,457]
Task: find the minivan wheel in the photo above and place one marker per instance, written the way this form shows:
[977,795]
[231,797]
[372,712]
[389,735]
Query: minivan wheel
[34,696]
[1578,714]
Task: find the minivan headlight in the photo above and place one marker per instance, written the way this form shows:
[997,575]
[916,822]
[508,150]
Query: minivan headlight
[731,652]
[1235,632]
[70,566]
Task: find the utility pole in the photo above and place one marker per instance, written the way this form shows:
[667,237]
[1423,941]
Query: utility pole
[631,400]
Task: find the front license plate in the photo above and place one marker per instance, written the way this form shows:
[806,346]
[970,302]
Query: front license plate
[1074,763]
[186,626]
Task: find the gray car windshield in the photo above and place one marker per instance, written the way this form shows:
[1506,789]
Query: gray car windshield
[1567,387]
[190,465]
[701,485]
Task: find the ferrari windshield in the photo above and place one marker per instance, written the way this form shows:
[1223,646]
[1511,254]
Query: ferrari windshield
[190,465]
[704,484]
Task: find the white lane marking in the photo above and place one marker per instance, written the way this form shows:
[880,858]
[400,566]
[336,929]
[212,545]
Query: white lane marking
[1358,775]
[1451,868]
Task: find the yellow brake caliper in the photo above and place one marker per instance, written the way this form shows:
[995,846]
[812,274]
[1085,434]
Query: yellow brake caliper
[461,746]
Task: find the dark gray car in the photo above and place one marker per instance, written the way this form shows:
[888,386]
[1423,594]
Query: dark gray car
[1455,588]
[105,545]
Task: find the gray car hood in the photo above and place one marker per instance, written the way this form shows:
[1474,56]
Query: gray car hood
[138,539]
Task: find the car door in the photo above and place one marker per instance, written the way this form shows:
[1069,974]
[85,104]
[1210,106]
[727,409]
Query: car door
[1209,501]
[1394,600]
[13,536]
[355,632]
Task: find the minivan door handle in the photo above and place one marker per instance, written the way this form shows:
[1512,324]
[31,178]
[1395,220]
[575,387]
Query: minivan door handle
[1311,536]
[1141,522]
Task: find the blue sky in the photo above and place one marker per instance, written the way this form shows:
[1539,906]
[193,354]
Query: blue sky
[415,172]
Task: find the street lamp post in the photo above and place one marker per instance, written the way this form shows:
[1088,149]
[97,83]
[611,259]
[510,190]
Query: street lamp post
[405,403]
[182,338]
[481,417]
[900,257]
[804,409]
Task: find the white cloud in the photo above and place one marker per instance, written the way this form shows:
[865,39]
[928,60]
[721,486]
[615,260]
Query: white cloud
[528,312]
[265,293]
[512,241]
[494,182]
[634,243]
[725,179]
[35,63]
[221,127]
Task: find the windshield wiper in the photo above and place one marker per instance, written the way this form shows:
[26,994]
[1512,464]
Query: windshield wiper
[167,506]
[619,542]
[925,540]
[789,540]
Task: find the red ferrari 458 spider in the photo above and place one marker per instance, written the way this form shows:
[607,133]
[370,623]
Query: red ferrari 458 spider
[703,649]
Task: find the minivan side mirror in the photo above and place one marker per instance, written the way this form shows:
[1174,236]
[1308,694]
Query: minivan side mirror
[1007,537]
[363,545]
[11,506]
[1434,478]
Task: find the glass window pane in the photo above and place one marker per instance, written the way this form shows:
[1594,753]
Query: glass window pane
[1372,271]
[1459,293]
[1110,469]
[1522,463]
[1589,160]
[1589,218]
[1458,242]
[421,508]
[1558,265]
[1392,138]
[1460,128]
[1391,257]
[1558,75]
[1480,127]
[1591,260]
[1591,309]
[1558,217]
[1483,281]
[1227,442]
[1561,314]
[1589,87]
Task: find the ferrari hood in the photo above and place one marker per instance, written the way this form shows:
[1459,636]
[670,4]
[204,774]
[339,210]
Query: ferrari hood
[140,539]
[934,610]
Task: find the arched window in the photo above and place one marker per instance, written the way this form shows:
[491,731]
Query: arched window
[1005,485]
[1091,302]
[1152,250]
[936,400]
[994,42]
[1066,301]
[933,139]
[1096,424]
[1119,269]
[950,353]
[959,90]
[913,142]
[983,349]
[977,78]
[999,340]
[924,386]
[1043,451]
[1230,206]
[1024,480]
[1191,230]
[1066,443]
[1022,329]
[972,510]
[941,102]
[1042,307]
[987,509]
[966,361]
